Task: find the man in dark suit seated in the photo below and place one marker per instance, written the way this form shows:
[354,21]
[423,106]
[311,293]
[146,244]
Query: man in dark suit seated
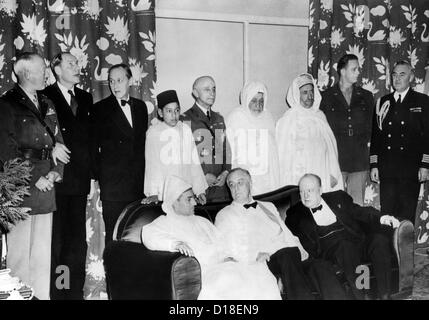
[332,227]
[119,144]
[254,232]
[73,106]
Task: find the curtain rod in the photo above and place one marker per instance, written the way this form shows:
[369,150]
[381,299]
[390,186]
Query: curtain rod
[227,17]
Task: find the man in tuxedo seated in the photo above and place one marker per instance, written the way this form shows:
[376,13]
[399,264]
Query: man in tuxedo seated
[332,227]
[254,232]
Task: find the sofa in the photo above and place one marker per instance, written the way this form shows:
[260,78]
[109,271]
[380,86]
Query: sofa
[134,272]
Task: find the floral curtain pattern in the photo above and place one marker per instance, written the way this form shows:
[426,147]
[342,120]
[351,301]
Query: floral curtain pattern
[379,33]
[100,33]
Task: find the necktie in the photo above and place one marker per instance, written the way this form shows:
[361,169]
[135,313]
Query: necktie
[73,102]
[399,99]
[35,101]
[208,114]
[124,102]
[314,210]
[253,204]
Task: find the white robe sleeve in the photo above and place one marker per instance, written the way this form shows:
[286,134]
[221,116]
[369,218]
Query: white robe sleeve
[153,176]
[156,236]
[199,182]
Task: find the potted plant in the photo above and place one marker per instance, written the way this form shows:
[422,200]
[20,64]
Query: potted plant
[14,186]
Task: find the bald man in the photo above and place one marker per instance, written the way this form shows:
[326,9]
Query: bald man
[208,127]
[330,226]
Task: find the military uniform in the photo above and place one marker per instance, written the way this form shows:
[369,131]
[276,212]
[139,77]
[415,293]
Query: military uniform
[23,135]
[351,125]
[212,146]
[399,147]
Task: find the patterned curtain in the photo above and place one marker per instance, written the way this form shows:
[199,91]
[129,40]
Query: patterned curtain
[100,33]
[378,32]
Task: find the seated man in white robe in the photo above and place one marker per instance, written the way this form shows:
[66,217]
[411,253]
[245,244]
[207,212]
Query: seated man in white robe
[181,230]
[256,233]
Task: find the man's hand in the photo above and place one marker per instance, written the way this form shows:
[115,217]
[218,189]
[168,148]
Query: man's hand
[53,176]
[389,221]
[423,174]
[220,180]
[374,175]
[263,256]
[211,179]
[44,185]
[333,181]
[91,190]
[202,199]
[60,152]
[150,199]
[183,248]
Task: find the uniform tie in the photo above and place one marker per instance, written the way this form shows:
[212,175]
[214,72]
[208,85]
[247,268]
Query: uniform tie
[208,114]
[73,102]
[399,99]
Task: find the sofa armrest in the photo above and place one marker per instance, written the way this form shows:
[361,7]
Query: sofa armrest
[134,272]
[403,243]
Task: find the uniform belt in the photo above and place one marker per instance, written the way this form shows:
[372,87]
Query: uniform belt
[40,154]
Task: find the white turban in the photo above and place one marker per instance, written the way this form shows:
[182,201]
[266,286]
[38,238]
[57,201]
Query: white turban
[173,189]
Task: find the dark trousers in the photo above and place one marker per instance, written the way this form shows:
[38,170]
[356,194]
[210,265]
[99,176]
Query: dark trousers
[286,262]
[323,278]
[399,196]
[111,212]
[68,247]
[349,254]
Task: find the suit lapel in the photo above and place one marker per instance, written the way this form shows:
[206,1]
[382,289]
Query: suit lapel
[61,101]
[136,116]
[119,117]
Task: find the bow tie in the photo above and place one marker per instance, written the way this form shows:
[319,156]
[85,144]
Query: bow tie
[124,102]
[314,210]
[253,204]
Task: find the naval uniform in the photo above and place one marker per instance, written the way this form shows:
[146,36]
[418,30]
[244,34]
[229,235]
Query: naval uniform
[351,125]
[399,147]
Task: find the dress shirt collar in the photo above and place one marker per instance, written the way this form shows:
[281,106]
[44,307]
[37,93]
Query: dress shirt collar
[241,205]
[204,110]
[33,98]
[403,94]
[126,99]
